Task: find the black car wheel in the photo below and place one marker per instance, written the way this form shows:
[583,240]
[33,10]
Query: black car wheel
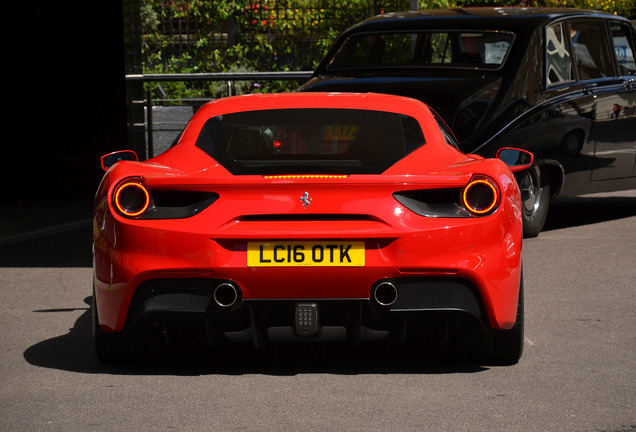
[126,346]
[573,143]
[496,347]
[108,345]
[535,199]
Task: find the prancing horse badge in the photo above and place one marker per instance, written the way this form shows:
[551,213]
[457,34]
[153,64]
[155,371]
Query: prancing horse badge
[305,199]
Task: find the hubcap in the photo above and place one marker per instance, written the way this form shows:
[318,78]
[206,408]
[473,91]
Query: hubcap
[529,194]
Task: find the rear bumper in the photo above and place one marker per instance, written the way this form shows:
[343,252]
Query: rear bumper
[417,304]
[483,256]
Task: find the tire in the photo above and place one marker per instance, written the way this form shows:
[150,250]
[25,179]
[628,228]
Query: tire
[109,346]
[535,199]
[573,143]
[496,347]
[126,346]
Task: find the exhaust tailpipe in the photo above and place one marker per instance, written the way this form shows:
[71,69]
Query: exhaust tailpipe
[385,294]
[225,295]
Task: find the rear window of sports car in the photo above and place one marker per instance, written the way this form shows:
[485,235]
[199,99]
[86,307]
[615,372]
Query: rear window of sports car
[440,49]
[309,141]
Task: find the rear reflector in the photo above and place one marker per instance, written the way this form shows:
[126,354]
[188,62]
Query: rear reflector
[305,177]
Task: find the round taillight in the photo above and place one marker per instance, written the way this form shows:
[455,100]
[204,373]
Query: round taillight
[480,196]
[131,198]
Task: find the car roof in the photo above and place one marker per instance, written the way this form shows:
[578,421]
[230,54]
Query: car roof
[478,17]
[347,100]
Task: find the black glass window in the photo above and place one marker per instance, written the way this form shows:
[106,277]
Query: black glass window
[559,67]
[623,49]
[446,49]
[591,50]
[301,141]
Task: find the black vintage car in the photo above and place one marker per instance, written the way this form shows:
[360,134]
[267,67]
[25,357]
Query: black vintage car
[559,82]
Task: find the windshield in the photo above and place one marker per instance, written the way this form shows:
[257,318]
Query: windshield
[301,141]
[446,49]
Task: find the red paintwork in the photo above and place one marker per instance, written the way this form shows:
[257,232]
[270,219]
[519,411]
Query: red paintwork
[486,250]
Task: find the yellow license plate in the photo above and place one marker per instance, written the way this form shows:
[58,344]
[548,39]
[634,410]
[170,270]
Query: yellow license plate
[305,253]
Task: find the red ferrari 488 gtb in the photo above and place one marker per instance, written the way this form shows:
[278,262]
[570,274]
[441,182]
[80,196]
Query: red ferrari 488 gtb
[335,217]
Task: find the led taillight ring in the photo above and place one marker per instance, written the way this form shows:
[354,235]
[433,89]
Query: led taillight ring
[131,198]
[480,196]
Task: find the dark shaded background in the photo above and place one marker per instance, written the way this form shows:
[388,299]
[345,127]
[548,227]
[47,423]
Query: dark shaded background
[66,95]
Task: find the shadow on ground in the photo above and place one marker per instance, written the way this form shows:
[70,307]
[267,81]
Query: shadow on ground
[46,233]
[70,248]
[571,212]
[73,352]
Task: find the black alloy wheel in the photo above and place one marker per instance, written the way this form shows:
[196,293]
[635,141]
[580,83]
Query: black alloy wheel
[535,199]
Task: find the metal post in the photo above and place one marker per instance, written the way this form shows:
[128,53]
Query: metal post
[151,151]
[415,5]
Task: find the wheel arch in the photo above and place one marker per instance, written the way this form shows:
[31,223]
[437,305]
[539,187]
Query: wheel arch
[553,171]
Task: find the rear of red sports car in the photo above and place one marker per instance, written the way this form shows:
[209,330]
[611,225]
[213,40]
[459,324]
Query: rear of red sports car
[310,217]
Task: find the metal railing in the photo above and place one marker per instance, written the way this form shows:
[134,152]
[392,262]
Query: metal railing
[146,121]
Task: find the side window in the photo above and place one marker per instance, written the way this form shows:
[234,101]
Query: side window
[559,68]
[623,48]
[412,134]
[591,50]
[448,135]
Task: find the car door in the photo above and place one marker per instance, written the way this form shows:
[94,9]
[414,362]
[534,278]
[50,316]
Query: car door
[557,127]
[604,58]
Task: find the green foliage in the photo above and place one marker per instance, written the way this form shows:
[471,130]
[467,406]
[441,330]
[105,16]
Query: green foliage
[240,35]
[625,8]
[194,36]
